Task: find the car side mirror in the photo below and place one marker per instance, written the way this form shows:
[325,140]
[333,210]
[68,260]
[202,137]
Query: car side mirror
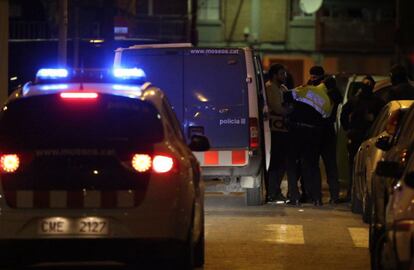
[199,143]
[390,169]
[383,143]
[409,179]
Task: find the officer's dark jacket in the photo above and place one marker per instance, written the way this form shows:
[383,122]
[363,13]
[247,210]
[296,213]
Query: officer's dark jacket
[359,113]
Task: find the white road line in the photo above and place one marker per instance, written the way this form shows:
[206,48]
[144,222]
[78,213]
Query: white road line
[359,236]
[284,234]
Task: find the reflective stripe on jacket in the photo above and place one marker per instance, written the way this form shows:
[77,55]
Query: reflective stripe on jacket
[316,97]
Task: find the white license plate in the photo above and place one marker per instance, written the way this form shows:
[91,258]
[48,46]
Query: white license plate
[79,226]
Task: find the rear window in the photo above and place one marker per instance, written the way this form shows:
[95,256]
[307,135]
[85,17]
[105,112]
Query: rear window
[50,121]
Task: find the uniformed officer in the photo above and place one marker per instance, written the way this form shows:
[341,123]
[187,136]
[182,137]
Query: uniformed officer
[275,90]
[311,105]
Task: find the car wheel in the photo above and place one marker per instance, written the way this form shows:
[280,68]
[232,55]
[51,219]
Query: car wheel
[186,260]
[199,247]
[356,204]
[256,195]
[366,209]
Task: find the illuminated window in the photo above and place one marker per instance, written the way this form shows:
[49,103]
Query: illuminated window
[208,10]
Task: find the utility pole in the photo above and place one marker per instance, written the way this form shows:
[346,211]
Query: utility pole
[4,50]
[63,32]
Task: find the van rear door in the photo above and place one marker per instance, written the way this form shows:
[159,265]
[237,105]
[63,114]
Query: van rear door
[215,96]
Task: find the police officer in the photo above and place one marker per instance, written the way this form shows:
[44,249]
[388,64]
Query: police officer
[275,90]
[311,104]
[357,116]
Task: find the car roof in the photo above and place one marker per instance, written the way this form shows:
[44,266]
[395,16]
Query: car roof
[144,92]
[360,77]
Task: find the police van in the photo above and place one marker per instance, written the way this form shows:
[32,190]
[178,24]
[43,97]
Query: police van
[219,93]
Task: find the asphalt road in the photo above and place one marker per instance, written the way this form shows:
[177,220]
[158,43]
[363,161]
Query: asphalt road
[272,237]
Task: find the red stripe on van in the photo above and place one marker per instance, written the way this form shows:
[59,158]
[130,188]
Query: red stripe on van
[238,157]
[211,158]
[41,199]
[75,199]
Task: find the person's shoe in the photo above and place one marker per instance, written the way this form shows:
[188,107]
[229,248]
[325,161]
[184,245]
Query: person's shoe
[318,202]
[293,202]
[276,199]
[280,198]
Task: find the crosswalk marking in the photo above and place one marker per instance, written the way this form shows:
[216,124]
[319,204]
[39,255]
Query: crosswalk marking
[285,234]
[359,236]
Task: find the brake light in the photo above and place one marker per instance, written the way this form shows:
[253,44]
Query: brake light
[79,95]
[162,164]
[141,162]
[254,132]
[9,163]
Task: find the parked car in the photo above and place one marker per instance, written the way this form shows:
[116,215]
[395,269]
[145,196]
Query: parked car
[94,166]
[388,172]
[218,92]
[394,250]
[368,154]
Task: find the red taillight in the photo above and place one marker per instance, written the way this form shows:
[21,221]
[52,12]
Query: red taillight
[9,163]
[79,95]
[254,132]
[159,164]
[162,164]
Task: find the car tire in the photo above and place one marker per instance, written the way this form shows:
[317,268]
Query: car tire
[356,204]
[256,196]
[366,209]
[199,251]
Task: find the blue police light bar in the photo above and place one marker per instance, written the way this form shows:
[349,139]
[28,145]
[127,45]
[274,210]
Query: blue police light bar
[52,73]
[129,73]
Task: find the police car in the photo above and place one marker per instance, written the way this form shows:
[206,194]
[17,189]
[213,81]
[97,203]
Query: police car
[94,166]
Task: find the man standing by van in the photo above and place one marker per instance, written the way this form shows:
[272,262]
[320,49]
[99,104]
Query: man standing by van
[275,90]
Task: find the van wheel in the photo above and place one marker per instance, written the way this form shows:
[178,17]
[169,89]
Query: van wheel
[256,195]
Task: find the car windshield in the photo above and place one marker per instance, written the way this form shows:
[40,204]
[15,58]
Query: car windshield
[50,121]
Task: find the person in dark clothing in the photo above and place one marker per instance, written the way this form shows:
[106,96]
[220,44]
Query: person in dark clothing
[317,74]
[275,90]
[328,141]
[357,116]
[310,105]
[401,88]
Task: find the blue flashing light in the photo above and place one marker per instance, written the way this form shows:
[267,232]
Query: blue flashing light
[52,73]
[129,73]
[54,87]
